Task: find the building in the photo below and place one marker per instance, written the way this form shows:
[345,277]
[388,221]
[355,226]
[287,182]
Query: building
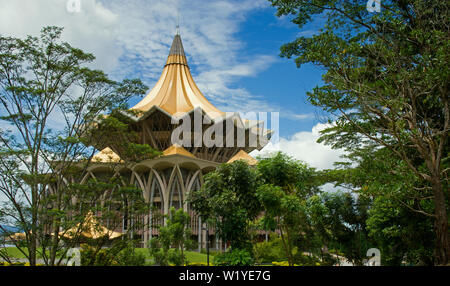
[165,181]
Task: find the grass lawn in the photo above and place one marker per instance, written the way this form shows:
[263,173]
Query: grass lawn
[15,252]
[193,257]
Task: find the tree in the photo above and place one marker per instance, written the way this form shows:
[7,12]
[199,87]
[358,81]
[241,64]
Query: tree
[386,85]
[401,235]
[395,222]
[286,186]
[228,199]
[49,100]
[339,219]
[175,234]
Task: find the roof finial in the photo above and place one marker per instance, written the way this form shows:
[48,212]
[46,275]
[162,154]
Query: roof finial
[178,22]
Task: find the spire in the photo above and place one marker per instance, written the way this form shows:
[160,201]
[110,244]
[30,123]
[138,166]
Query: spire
[178,22]
[177,46]
[176,92]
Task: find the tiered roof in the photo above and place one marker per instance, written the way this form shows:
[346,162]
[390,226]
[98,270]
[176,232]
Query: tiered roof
[242,155]
[176,91]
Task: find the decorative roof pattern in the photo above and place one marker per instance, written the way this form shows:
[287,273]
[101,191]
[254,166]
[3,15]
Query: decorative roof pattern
[176,92]
[106,156]
[177,46]
[177,150]
[242,155]
[90,229]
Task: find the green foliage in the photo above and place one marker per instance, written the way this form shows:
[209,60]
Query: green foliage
[228,200]
[159,252]
[35,153]
[385,86]
[339,219]
[120,254]
[395,221]
[267,252]
[293,176]
[90,256]
[175,234]
[130,257]
[234,257]
[402,236]
[286,184]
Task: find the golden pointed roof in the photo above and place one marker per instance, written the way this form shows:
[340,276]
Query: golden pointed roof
[106,156]
[90,229]
[242,155]
[176,92]
[177,150]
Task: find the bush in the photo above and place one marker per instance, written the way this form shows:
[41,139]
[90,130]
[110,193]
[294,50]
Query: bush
[130,257]
[90,256]
[235,257]
[307,260]
[176,258]
[119,255]
[266,252]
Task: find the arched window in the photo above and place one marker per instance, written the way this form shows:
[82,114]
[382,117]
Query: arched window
[195,186]
[156,198]
[175,197]
[194,218]
[156,204]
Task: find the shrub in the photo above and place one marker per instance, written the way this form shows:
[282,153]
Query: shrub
[90,256]
[307,260]
[235,257]
[266,252]
[130,257]
[119,255]
[176,258]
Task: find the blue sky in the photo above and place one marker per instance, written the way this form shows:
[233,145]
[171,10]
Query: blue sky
[280,85]
[232,47]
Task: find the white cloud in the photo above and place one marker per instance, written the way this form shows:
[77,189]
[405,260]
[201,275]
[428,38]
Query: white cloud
[208,31]
[132,39]
[303,146]
[301,116]
[91,30]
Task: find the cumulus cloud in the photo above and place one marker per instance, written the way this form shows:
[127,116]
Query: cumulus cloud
[132,39]
[91,30]
[303,146]
[208,31]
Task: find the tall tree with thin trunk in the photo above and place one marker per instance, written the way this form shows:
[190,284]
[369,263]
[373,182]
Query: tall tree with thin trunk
[386,84]
[48,99]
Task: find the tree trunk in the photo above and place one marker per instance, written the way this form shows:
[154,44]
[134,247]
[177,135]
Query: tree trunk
[442,250]
[32,248]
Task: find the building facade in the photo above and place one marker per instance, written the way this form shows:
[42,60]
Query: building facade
[217,137]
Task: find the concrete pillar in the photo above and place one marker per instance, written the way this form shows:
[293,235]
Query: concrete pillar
[199,234]
[150,226]
[145,232]
[204,238]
